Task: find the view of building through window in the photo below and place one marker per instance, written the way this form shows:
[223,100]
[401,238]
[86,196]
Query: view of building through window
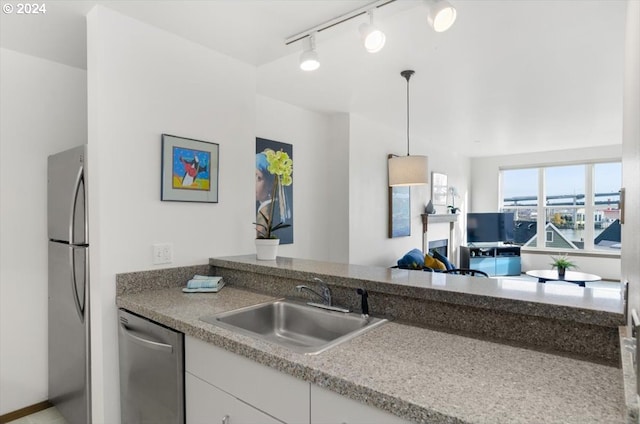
[581,207]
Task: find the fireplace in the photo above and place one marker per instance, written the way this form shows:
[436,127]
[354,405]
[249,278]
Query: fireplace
[440,246]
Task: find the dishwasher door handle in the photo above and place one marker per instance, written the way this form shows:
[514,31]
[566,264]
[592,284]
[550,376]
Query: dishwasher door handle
[146,343]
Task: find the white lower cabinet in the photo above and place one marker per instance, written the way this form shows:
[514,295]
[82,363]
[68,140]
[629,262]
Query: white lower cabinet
[222,385]
[328,407]
[207,404]
[276,394]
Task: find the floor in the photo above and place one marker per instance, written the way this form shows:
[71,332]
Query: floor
[48,416]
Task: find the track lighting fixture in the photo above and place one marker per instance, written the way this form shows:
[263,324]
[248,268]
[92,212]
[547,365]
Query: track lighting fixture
[441,15]
[372,38]
[408,170]
[309,58]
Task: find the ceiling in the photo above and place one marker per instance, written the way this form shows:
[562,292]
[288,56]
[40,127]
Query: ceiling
[511,76]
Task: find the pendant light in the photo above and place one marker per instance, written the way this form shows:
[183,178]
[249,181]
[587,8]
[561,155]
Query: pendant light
[408,170]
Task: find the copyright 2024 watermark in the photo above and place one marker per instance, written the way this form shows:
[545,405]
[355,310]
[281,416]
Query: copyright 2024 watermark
[24,8]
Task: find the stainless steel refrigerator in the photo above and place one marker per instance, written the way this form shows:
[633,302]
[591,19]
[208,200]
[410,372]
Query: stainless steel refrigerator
[69,342]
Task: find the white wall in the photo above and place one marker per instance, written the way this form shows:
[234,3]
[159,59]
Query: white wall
[43,109]
[336,172]
[631,155]
[484,191]
[309,134]
[144,82]
[369,145]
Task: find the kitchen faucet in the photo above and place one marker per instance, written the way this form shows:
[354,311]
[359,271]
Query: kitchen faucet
[325,292]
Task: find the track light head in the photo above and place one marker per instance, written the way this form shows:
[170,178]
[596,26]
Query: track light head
[441,15]
[372,38]
[309,58]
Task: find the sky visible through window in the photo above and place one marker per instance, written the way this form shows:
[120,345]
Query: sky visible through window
[562,180]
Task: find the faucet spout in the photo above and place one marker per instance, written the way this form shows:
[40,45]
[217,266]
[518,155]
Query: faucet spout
[325,292]
[302,287]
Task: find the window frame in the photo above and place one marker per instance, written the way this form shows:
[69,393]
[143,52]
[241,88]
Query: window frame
[542,207]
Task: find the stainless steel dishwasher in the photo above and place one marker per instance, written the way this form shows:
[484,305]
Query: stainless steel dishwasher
[151,371]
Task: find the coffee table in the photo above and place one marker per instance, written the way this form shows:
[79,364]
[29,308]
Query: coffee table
[579,278]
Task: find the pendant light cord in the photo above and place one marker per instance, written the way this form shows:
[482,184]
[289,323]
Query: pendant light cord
[406,75]
[407,116]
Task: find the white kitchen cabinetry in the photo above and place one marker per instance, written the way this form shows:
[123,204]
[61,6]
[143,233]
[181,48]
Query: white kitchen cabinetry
[277,394]
[220,383]
[328,407]
[207,404]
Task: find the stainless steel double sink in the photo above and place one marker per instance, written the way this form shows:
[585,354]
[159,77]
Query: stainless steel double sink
[296,326]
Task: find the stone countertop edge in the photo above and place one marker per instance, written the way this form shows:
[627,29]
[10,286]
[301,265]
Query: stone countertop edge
[629,375]
[371,278]
[280,360]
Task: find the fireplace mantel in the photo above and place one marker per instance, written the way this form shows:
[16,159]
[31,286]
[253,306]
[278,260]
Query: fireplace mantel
[437,217]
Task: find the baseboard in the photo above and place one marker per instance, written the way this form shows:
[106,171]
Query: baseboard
[23,412]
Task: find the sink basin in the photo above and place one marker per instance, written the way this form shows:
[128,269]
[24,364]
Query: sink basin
[296,326]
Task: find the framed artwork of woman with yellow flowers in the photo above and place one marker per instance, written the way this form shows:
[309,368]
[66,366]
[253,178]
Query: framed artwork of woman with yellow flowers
[274,190]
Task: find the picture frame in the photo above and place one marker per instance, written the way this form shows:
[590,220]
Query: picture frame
[439,189]
[189,170]
[284,214]
[399,211]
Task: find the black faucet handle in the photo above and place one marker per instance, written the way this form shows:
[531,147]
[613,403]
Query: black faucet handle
[364,303]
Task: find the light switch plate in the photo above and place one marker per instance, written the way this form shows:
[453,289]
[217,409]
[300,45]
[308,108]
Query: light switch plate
[162,253]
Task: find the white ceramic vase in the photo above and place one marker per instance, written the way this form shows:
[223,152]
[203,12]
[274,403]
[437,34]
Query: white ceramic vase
[267,249]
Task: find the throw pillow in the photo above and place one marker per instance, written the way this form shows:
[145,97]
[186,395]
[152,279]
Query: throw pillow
[412,259]
[433,263]
[443,259]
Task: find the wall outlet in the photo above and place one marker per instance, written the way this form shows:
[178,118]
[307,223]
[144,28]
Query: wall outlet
[162,253]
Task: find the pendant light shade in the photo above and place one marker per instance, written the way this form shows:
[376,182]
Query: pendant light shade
[408,170]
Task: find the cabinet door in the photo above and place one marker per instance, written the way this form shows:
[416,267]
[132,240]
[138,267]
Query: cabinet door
[328,407]
[280,395]
[207,404]
[487,265]
[508,265]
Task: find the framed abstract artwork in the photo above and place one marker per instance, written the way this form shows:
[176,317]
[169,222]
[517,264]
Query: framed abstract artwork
[282,209]
[399,212]
[189,170]
[439,188]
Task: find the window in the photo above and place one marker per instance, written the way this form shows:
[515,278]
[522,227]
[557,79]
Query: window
[549,236]
[607,180]
[581,207]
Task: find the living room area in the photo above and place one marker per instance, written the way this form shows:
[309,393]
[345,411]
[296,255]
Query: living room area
[496,232]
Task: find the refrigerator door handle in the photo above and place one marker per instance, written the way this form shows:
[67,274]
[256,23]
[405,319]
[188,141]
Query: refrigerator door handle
[74,289]
[76,190]
[146,343]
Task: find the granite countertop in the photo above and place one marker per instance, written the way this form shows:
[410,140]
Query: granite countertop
[419,374]
[603,307]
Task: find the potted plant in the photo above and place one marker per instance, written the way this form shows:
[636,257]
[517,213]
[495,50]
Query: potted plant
[277,168]
[452,207]
[563,263]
